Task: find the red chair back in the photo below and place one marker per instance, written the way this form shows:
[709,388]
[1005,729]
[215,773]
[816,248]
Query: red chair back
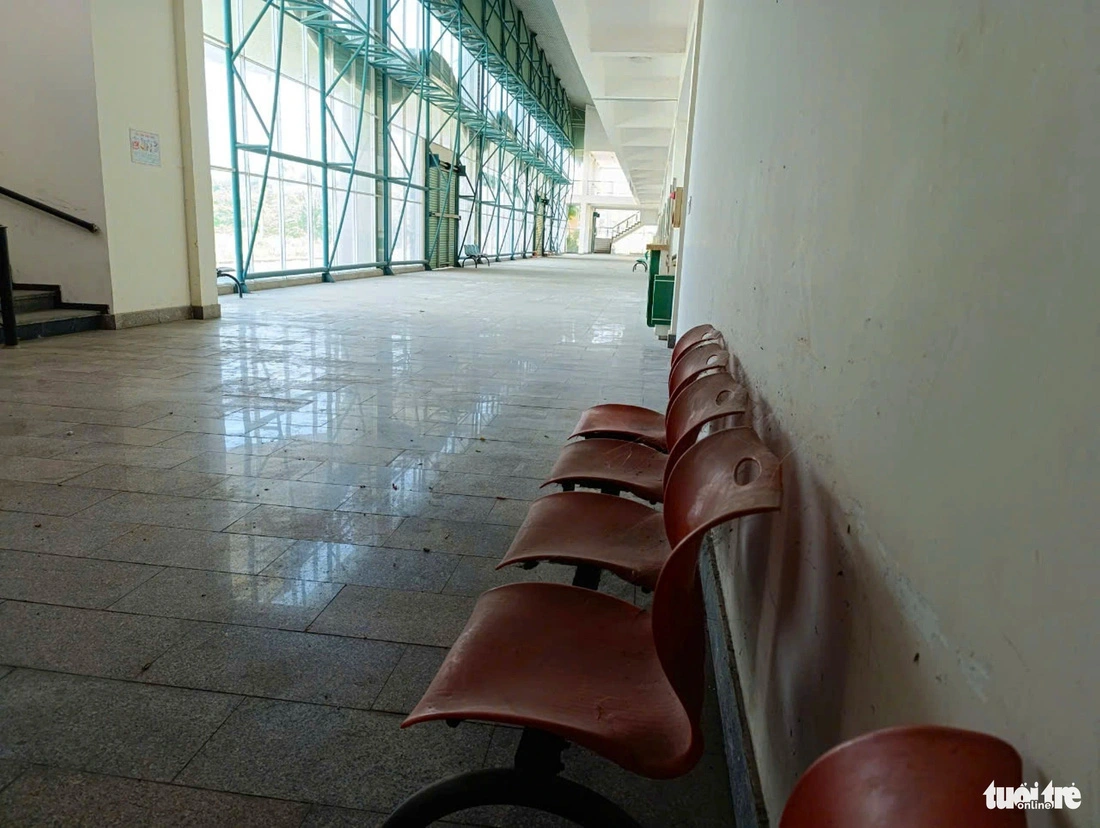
[691,338]
[696,362]
[907,777]
[701,401]
[725,475]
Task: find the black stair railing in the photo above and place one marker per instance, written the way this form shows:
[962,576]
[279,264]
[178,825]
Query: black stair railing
[46,208]
[7,294]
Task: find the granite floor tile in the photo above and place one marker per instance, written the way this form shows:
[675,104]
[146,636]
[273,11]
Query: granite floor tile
[19,427]
[419,503]
[264,490]
[279,664]
[509,512]
[395,615]
[39,470]
[153,457]
[250,465]
[316,524]
[410,678]
[454,536]
[69,414]
[330,756]
[484,485]
[10,769]
[83,641]
[105,726]
[48,498]
[323,816]
[195,549]
[167,510]
[212,407]
[537,468]
[227,424]
[346,563]
[73,582]
[355,474]
[317,449]
[230,598]
[223,443]
[51,796]
[150,481]
[24,446]
[478,462]
[113,434]
[57,535]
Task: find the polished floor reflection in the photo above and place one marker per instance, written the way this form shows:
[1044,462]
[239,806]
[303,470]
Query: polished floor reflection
[233,553]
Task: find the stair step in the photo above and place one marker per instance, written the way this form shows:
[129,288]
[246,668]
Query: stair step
[55,321]
[28,300]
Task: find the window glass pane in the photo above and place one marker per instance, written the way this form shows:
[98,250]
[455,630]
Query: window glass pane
[296,225]
[267,253]
[213,18]
[222,183]
[217,103]
[261,43]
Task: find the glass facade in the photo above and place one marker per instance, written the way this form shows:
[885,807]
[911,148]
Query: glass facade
[351,134]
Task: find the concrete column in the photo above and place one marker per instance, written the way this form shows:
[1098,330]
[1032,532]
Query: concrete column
[195,150]
[685,209]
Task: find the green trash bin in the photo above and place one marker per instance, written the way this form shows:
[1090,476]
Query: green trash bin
[661,292]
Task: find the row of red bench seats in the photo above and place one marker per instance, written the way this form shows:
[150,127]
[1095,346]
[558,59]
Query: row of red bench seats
[571,665]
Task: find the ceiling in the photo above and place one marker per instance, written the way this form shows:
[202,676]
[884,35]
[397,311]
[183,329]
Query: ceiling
[626,58]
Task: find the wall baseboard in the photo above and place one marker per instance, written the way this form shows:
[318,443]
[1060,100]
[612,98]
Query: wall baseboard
[137,319]
[746,792]
[206,311]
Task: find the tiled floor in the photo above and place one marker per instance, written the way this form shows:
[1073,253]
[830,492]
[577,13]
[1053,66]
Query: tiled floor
[233,553]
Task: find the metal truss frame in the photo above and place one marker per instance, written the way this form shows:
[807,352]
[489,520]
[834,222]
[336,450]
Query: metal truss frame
[500,113]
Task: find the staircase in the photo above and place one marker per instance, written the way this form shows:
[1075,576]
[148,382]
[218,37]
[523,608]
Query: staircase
[625,227]
[605,238]
[39,311]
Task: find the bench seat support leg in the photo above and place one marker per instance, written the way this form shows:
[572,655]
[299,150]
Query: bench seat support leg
[532,783]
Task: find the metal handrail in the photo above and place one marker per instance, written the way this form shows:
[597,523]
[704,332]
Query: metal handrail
[46,208]
[629,221]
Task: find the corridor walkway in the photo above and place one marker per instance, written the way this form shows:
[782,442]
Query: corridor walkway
[233,553]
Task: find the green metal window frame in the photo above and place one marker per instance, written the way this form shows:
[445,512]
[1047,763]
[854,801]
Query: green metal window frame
[500,114]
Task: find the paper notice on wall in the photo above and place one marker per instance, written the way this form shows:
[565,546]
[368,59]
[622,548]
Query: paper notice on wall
[144,148]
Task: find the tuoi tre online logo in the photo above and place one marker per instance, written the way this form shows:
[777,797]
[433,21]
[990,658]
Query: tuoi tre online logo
[1030,798]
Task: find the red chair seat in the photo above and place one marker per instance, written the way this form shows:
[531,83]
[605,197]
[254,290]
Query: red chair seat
[570,661]
[922,776]
[627,422]
[576,528]
[604,463]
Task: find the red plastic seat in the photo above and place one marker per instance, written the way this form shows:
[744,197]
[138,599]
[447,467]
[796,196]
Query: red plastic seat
[619,465]
[699,335]
[907,777]
[599,672]
[623,422]
[632,422]
[704,359]
[588,528]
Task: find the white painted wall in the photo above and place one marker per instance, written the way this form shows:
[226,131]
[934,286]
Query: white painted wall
[49,146]
[136,79]
[894,220]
